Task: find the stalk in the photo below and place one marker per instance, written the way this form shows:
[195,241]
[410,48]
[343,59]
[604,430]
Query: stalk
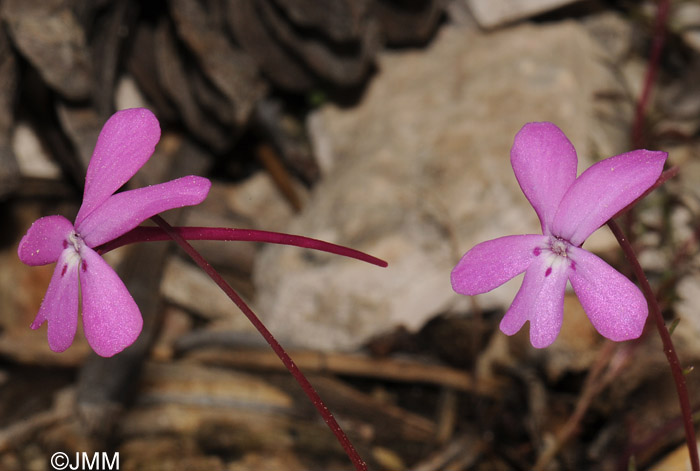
[155,234]
[669,349]
[309,390]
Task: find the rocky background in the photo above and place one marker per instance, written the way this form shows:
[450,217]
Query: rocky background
[384,125]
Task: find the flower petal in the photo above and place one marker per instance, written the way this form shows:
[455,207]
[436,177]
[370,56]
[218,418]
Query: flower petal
[615,306]
[544,162]
[492,263]
[60,305]
[540,301]
[44,241]
[604,189]
[125,143]
[111,319]
[124,211]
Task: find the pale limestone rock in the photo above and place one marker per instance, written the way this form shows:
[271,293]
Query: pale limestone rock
[688,331]
[419,172]
[32,159]
[492,13]
[187,286]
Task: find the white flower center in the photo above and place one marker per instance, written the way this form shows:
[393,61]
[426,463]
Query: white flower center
[559,246]
[75,240]
[556,253]
[74,243]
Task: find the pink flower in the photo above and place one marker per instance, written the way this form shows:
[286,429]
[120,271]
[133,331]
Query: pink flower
[111,319]
[570,209]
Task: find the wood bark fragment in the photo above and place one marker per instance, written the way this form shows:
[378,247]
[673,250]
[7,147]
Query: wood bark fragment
[110,35]
[48,34]
[268,157]
[9,170]
[408,22]
[82,125]
[282,68]
[339,20]
[174,81]
[232,71]
[288,136]
[141,63]
[344,64]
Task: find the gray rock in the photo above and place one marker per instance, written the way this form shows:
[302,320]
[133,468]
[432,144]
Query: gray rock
[48,35]
[492,13]
[419,172]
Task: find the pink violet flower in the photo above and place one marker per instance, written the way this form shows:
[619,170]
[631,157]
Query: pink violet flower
[570,209]
[111,319]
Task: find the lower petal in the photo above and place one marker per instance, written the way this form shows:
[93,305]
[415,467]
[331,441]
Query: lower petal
[492,263]
[60,305]
[615,306]
[111,319]
[540,300]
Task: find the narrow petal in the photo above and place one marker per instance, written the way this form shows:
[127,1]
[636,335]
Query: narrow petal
[126,142]
[604,189]
[544,162]
[124,211]
[60,305]
[44,241]
[492,263]
[540,301]
[615,306]
[111,319]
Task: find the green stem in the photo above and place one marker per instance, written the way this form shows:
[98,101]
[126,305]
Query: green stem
[669,349]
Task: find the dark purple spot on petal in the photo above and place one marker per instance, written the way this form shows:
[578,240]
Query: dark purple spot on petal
[537,251]
[65,244]
[573,265]
[548,272]
[83,265]
[63,270]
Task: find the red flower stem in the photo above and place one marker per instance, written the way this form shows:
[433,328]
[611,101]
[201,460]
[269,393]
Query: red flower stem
[153,234]
[652,70]
[669,349]
[316,400]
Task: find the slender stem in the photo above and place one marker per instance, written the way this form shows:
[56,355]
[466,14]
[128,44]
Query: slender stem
[154,234]
[652,70]
[316,400]
[669,349]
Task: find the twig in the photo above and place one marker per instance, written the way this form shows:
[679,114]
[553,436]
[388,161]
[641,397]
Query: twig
[268,157]
[389,369]
[610,356]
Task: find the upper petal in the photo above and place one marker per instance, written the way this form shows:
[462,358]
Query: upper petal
[124,211]
[604,189]
[44,241]
[111,319]
[60,305]
[544,162]
[540,301]
[126,142]
[492,263]
[615,306]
